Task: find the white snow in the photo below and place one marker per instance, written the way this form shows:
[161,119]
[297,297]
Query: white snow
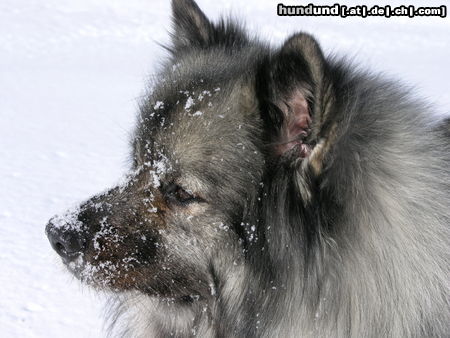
[189,103]
[71,73]
[68,219]
[158,105]
[160,167]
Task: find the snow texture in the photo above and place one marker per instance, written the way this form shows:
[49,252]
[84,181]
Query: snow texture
[71,75]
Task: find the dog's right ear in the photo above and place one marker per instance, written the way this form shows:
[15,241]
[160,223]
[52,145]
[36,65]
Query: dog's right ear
[296,97]
[191,26]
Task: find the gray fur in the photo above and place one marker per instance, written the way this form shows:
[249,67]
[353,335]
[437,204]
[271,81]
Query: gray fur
[341,231]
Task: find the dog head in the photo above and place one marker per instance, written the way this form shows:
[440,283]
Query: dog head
[227,118]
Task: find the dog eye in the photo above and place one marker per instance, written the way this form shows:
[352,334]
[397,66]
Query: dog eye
[175,193]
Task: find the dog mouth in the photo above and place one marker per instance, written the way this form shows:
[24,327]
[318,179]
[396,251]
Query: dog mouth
[110,275]
[90,274]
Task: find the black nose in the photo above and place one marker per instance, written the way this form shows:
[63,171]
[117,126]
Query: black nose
[68,242]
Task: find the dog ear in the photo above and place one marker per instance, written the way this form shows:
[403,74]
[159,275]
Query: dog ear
[191,26]
[295,96]
[192,29]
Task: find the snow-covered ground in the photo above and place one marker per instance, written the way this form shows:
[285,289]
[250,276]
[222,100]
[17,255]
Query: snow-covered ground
[71,72]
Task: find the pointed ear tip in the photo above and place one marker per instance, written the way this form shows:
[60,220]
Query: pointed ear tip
[306,44]
[183,3]
[187,9]
[302,39]
[177,4]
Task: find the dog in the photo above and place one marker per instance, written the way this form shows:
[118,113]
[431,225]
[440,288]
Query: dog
[273,192]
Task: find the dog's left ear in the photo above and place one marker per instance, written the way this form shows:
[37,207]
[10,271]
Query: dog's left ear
[295,96]
[192,29]
[191,26]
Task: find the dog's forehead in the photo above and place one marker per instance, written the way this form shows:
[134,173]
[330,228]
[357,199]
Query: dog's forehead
[198,121]
[206,122]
